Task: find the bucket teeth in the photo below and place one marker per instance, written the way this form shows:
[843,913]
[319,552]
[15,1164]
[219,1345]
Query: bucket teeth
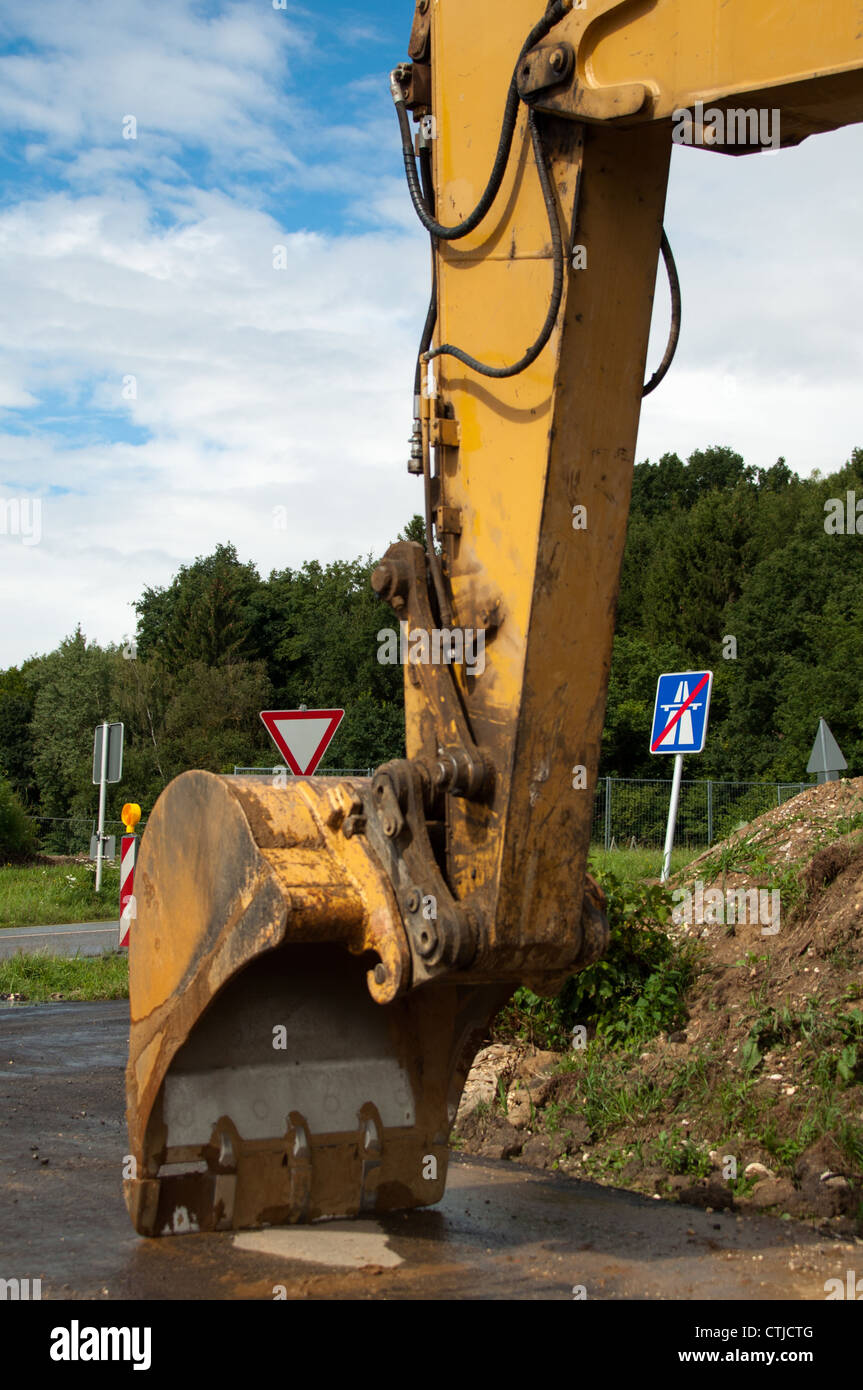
[350,1115]
[280,1067]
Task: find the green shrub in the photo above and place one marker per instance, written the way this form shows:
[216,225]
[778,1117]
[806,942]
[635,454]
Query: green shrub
[636,991]
[17,833]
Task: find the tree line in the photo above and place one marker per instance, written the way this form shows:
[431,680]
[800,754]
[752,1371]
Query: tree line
[726,566]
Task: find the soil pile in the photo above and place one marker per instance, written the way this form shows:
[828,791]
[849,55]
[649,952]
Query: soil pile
[759,1101]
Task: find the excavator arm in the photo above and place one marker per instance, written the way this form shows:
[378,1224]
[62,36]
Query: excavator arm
[313,967]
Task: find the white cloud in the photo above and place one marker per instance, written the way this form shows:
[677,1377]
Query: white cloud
[771,354]
[258,388]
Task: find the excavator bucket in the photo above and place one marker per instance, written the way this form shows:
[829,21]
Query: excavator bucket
[278,1071]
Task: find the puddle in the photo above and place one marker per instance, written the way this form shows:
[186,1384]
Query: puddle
[340,1244]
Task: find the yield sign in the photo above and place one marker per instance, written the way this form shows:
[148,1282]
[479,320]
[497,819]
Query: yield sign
[302,736]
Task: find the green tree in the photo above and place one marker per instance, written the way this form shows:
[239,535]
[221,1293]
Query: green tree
[415,530]
[17,833]
[73,695]
[17,697]
[206,613]
[320,626]
[211,720]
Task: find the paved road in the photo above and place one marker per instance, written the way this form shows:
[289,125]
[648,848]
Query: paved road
[503,1231]
[69,939]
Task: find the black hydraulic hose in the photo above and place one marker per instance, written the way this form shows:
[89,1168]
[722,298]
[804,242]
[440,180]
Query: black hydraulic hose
[676,317]
[557,284]
[431,315]
[552,16]
[422,196]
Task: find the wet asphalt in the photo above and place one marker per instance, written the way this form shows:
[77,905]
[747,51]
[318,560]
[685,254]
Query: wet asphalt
[502,1231]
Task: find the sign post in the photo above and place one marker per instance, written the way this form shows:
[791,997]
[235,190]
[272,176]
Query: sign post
[680,714]
[676,779]
[107,767]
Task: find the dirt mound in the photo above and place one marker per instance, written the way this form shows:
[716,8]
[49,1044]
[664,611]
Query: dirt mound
[759,1101]
[790,834]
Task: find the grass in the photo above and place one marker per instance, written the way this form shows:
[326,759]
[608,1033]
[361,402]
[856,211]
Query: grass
[611,1093]
[682,1155]
[631,1115]
[45,895]
[636,865]
[39,979]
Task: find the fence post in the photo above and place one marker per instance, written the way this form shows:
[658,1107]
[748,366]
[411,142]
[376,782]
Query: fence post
[709,813]
[778,793]
[608,813]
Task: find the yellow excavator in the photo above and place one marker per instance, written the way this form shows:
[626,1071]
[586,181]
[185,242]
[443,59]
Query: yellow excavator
[313,966]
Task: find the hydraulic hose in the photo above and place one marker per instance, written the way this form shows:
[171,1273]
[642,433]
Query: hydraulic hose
[557,283]
[552,16]
[676,318]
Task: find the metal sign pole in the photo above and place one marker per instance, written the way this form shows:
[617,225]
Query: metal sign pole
[103,782]
[672,816]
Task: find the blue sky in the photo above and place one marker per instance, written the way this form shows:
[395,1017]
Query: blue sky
[163,388]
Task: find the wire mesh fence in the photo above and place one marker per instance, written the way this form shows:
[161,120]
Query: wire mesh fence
[276,768]
[628,812]
[633,812]
[72,834]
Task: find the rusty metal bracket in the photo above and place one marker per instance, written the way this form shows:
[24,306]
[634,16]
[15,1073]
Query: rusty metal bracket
[545,66]
[418,43]
[447,521]
[415,82]
[452,761]
[557,77]
[442,933]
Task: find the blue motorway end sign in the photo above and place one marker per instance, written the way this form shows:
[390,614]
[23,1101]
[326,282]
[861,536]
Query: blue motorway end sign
[680,713]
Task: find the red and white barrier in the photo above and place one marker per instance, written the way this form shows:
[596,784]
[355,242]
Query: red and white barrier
[128,854]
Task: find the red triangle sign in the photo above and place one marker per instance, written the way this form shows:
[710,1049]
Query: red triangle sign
[302,736]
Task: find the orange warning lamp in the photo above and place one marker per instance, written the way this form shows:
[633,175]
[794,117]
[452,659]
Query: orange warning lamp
[130,815]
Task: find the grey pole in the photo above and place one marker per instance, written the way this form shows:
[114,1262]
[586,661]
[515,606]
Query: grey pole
[709,813]
[103,782]
[672,816]
[608,813]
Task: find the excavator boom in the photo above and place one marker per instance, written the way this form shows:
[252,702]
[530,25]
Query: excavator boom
[313,966]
